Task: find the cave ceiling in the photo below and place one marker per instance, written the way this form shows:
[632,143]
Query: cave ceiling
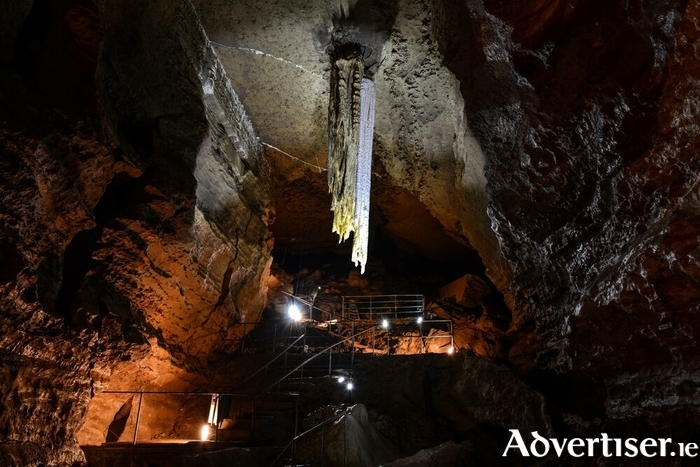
[276,55]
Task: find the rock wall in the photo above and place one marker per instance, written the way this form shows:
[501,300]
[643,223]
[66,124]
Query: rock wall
[585,114]
[134,225]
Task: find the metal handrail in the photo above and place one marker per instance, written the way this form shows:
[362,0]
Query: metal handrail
[310,430]
[134,442]
[272,361]
[380,305]
[316,355]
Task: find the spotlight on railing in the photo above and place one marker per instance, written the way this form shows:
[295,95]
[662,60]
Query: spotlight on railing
[385,323]
[451,350]
[294,312]
[419,320]
[205,432]
[341,380]
[349,386]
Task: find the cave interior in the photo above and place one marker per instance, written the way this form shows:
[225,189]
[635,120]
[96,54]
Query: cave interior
[534,231]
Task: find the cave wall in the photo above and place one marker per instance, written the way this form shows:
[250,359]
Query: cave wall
[134,223]
[586,116]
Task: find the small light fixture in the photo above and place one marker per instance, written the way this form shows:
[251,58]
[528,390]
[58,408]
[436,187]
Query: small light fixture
[419,320]
[294,312]
[349,386]
[205,432]
[451,350]
[385,323]
[341,379]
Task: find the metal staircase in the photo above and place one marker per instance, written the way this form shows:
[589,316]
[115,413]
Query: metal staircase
[262,412]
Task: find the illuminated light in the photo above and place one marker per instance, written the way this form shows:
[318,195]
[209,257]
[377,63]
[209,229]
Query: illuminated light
[294,312]
[451,350]
[420,319]
[341,379]
[385,323]
[205,433]
[349,386]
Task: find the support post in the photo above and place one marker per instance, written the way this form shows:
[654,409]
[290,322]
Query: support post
[252,417]
[301,378]
[216,420]
[274,340]
[352,352]
[323,443]
[138,417]
[345,441]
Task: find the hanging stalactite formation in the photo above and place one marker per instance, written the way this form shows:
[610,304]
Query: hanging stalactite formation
[364,175]
[350,129]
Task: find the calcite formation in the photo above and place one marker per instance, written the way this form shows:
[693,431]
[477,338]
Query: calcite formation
[350,133]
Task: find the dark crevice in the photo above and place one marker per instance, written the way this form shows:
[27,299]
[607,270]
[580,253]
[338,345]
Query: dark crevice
[225,285]
[56,54]
[12,261]
[76,264]
[226,281]
[116,428]
[121,199]
[140,136]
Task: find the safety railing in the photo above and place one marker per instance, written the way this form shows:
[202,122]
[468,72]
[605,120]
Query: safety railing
[382,306]
[389,337]
[146,417]
[270,337]
[264,369]
[328,350]
[292,447]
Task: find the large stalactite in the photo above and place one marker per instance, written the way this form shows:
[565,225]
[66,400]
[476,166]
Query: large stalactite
[350,129]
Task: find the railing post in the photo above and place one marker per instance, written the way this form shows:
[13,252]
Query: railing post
[296,415]
[388,349]
[323,444]
[252,419]
[420,336]
[352,352]
[342,309]
[301,378]
[274,339]
[345,441]
[370,307]
[330,361]
[216,420]
[138,417]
